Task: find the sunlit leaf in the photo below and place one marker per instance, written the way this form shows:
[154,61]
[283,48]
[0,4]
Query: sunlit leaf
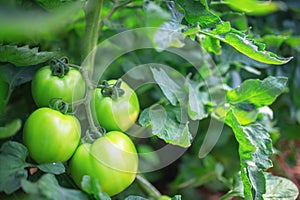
[254,50]
[254,7]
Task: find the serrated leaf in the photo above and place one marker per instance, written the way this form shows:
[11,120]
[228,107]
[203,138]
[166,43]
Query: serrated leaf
[171,87]
[53,168]
[254,7]
[176,197]
[196,105]
[166,126]
[259,93]
[198,12]
[253,50]
[255,147]
[24,55]
[12,164]
[48,187]
[279,188]
[16,76]
[10,129]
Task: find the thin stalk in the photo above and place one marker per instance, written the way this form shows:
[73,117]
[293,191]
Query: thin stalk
[92,12]
[146,186]
[92,16]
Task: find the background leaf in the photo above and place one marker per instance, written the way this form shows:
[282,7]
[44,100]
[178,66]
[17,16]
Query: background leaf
[48,187]
[23,55]
[53,168]
[12,164]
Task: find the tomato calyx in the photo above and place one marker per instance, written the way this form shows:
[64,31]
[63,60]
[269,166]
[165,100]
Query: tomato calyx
[113,91]
[59,67]
[93,134]
[59,105]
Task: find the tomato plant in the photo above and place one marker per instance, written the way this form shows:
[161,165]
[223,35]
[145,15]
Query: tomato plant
[67,85]
[112,160]
[209,97]
[51,136]
[115,105]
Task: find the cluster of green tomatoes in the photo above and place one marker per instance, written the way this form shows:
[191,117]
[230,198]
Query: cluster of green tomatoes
[52,133]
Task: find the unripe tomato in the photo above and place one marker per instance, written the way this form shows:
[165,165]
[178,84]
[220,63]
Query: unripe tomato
[46,86]
[51,136]
[116,114]
[111,159]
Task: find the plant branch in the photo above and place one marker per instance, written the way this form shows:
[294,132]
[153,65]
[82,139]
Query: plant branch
[148,187]
[92,29]
[115,7]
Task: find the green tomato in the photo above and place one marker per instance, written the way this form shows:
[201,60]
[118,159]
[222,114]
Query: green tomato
[51,136]
[112,160]
[46,86]
[116,114]
[164,197]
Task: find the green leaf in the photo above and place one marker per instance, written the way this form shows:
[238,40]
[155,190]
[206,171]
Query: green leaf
[47,187]
[259,93]
[212,45]
[10,129]
[16,76]
[196,172]
[196,101]
[253,50]
[12,164]
[198,12]
[91,186]
[166,125]
[279,188]
[255,147]
[135,198]
[244,112]
[53,168]
[52,4]
[236,190]
[24,55]
[34,23]
[254,7]
[155,15]
[172,87]
[4,95]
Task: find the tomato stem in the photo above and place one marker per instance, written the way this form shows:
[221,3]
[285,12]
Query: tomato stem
[113,91]
[147,187]
[59,105]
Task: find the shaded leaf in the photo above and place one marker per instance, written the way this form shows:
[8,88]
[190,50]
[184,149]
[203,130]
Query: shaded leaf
[196,102]
[165,125]
[24,55]
[91,186]
[53,168]
[172,87]
[10,129]
[12,164]
[48,187]
[135,198]
[16,76]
